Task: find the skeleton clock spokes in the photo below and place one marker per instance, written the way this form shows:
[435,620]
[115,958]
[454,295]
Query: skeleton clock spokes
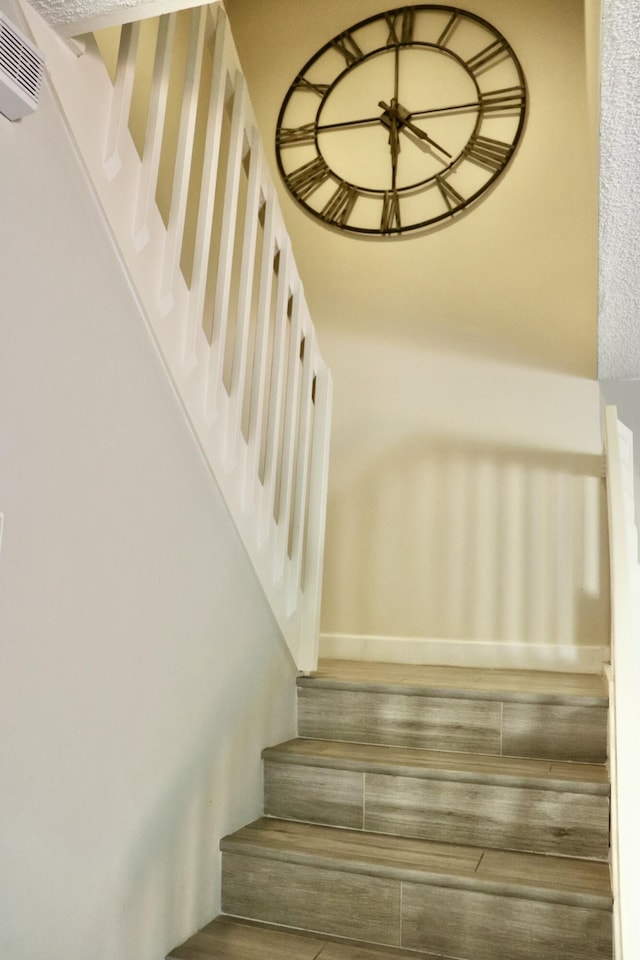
[402,120]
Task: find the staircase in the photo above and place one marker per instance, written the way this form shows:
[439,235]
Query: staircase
[429,811]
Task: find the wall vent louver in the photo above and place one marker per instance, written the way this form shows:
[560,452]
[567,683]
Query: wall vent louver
[21,71]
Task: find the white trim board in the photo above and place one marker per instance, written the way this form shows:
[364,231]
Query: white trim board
[506,655]
[614,846]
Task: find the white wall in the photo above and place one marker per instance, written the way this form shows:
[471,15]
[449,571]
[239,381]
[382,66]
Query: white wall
[141,671]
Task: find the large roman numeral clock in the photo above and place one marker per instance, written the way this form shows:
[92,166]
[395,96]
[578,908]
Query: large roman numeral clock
[401,121]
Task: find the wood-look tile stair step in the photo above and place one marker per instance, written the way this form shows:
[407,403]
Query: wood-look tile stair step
[452,900]
[512,713]
[227,938]
[532,686]
[518,804]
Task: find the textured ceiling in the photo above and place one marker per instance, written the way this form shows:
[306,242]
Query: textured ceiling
[619,307]
[73,17]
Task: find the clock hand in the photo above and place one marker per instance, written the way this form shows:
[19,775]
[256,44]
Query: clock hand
[397,115]
[505,99]
[396,75]
[455,108]
[366,121]
[370,121]
[389,119]
[394,143]
[407,125]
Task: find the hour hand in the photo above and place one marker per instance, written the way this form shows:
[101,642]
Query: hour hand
[394,142]
[399,118]
[408,125]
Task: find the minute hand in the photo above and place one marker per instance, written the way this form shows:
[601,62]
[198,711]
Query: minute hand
[454,108]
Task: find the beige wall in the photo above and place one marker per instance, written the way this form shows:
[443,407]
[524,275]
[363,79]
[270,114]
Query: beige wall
[515,278]
[470,508]
[142,671]
[464,354]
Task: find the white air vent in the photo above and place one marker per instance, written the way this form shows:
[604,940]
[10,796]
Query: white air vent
[21,69]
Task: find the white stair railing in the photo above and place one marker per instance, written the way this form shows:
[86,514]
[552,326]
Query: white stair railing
[624,686]
[193,211]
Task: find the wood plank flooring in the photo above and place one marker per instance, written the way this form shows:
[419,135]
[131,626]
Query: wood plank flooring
[229,938]
[436,764]
[455,900]
[535,686]
[481,926]
[471,722]
[560,879]
[522,805]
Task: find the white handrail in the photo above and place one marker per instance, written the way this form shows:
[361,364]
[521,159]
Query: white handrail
[624,686]
[234,330]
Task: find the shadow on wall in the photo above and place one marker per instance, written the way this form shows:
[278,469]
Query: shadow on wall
[459,539]
[168,884]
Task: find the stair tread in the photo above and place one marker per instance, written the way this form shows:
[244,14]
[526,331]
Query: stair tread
[230,938]
[529,686]
[526,875]
[441,764]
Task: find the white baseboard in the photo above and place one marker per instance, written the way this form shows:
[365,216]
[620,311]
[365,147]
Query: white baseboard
[495,654]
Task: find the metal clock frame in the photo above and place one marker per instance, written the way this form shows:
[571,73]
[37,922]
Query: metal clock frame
[491,154]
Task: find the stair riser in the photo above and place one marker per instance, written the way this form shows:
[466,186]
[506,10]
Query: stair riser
[420,916]
[509,728]
[516,818]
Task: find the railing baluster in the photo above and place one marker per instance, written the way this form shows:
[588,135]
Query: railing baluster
[121,103]
[290,440]
[278,371]
[310,538]
[261,352]
[239,368]
[227,242]
[207,192]
[300,506]
[155,128]
[184,153]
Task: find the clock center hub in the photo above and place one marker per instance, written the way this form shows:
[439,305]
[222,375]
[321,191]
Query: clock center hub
[393,113]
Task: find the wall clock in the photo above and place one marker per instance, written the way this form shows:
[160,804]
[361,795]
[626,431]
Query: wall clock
[401,121]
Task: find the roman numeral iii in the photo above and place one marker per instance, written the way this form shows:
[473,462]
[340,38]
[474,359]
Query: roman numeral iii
[502,101]
[490,153]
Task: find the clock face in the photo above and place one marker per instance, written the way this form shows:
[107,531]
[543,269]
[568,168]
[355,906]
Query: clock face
[401,121]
